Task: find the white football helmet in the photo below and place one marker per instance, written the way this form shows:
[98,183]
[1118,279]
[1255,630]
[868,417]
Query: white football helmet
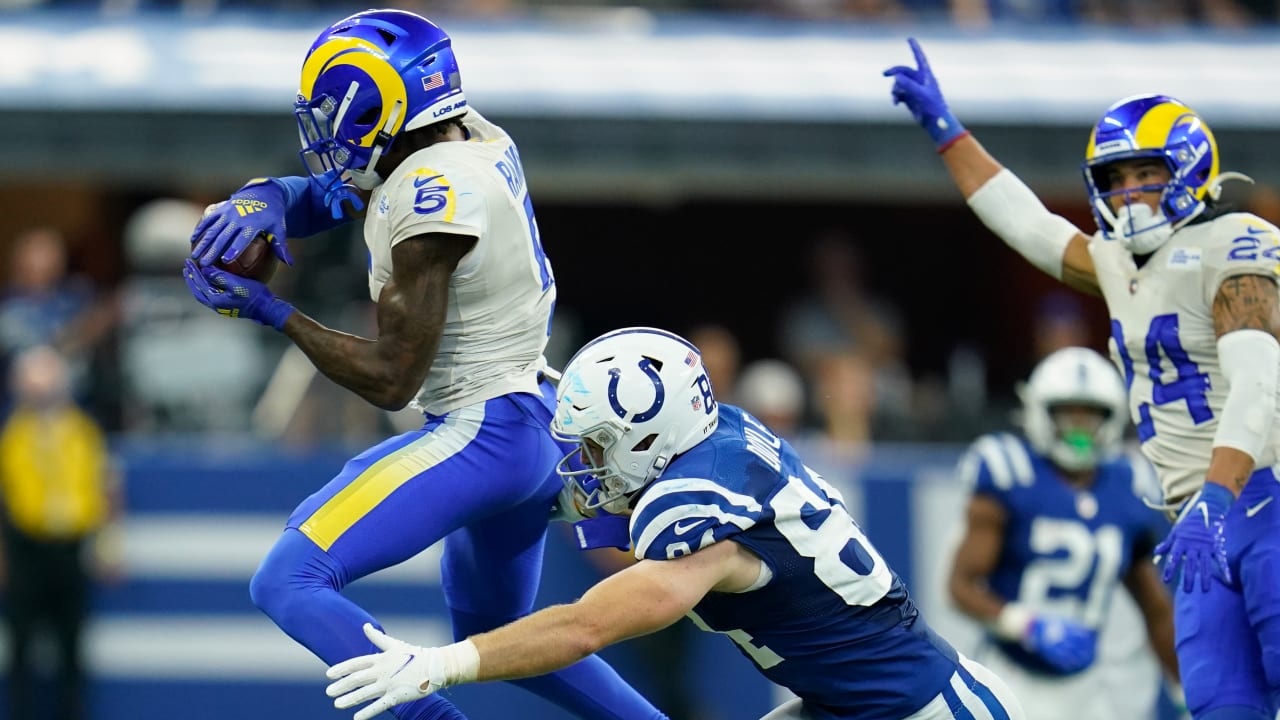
[1074,376]
[632,400]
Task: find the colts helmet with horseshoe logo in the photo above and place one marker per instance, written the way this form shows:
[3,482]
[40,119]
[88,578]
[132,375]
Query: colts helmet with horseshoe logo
[631,400]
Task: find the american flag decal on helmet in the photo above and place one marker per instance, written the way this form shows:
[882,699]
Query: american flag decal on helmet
[690,359]
[432,81]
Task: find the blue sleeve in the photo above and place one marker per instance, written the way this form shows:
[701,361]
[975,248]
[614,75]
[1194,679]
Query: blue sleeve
[307,212]
[995,464]
[680,516]
[974,473]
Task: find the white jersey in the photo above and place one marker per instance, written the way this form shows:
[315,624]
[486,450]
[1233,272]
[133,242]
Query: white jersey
[1163,340]
[502,293]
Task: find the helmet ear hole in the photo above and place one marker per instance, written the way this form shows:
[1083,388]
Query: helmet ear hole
[369,116]
[645,444]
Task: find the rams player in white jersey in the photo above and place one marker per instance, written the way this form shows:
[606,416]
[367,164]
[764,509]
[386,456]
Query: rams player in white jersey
[1191,289]
[1054,525]
[729,527]
[464,298]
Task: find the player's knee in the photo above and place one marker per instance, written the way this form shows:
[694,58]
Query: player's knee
[278,585]
[268,590]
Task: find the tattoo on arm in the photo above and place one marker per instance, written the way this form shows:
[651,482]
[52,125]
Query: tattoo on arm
[1246,302]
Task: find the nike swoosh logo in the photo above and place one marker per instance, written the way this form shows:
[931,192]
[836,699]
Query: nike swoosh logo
[403,665]
[1204,509]
[682,529]
[1257,508]
[1256,231]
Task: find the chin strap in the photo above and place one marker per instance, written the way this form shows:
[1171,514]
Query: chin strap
[368,178]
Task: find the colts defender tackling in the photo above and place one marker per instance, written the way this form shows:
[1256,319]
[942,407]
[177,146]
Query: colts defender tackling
[728,526]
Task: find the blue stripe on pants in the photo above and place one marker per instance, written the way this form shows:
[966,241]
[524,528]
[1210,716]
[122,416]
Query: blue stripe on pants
[959,711]
[984,694]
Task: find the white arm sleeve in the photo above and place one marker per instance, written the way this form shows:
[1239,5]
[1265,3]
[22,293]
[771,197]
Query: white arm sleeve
[1010,210]
[1250,361]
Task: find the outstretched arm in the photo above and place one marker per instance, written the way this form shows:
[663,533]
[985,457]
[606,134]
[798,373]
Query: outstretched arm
[638,600]
[388,371]
[1002,201]
[641,599]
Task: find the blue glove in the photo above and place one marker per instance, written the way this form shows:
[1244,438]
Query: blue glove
[228,227]
[1197,540]
[1065,644]
[234,296]
[918,89]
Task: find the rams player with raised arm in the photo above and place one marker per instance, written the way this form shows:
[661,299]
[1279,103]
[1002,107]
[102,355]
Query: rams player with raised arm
[730,528]
[464,299]
[1054,524]
[1191,289]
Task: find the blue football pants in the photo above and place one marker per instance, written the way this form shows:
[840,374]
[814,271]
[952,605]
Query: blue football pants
[482,479]
[1228,639]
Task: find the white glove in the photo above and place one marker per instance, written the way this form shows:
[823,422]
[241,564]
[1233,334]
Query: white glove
[400,673]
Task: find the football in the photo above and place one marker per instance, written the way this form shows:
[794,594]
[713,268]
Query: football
[257,262]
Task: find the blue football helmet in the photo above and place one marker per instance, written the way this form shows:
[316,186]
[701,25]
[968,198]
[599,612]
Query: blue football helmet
[1151,126]
[366,80]
[631,400]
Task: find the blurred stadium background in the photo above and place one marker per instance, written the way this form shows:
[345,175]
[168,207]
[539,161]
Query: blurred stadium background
[731,169]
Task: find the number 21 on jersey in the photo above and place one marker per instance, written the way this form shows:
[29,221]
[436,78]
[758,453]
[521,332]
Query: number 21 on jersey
[1074,570]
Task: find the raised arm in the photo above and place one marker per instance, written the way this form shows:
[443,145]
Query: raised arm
[1002,201]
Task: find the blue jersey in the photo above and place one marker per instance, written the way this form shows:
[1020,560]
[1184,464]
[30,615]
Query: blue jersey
[833,624]
[1065,548]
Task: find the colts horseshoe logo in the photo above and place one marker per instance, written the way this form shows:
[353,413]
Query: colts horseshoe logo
[659,392]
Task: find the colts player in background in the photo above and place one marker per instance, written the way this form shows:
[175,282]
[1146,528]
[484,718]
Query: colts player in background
[1191,289]
[1054,525]
[729,527]
[464,299]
